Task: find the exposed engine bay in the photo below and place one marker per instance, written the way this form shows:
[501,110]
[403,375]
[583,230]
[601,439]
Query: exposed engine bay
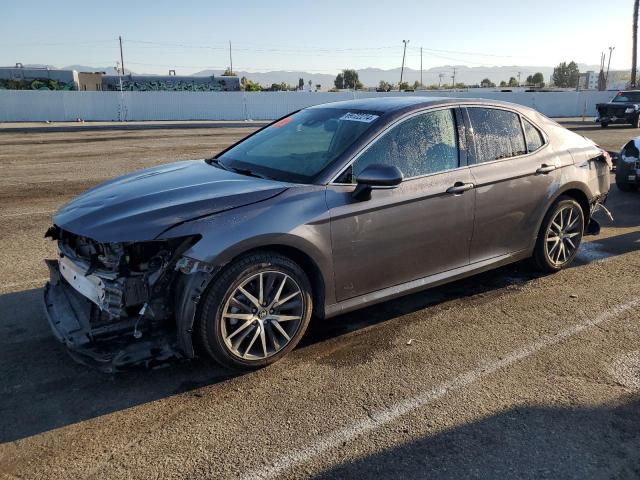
[115,291]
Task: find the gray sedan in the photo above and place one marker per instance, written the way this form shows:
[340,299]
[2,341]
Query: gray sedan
[329,209]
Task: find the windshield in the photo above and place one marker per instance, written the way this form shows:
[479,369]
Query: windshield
[298,147]
[627,97]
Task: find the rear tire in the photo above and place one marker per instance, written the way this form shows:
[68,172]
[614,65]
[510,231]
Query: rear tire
[255,312]
[560,235]
[604,124]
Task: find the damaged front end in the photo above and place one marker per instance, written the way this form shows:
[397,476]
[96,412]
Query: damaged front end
[114,304]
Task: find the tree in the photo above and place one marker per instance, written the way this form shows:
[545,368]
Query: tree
[384,86]
[249,86]
[279,87]
[486,83]
[566,75]
[537,79]
[300,83]
[228,73]
[403,86]
[417,85]
[348,78]
[513,82]
[503,83]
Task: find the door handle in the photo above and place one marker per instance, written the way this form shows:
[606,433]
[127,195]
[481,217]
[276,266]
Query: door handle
[459,188]
[544,169]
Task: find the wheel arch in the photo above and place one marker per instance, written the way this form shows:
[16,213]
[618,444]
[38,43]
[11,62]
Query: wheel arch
[192,287]
[575,190]
[305,261]
[581,197]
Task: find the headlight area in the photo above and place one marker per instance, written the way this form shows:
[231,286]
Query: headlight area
[113,304]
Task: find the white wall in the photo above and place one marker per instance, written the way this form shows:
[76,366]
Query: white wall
[25,106]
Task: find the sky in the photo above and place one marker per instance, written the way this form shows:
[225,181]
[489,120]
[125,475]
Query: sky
[319,36]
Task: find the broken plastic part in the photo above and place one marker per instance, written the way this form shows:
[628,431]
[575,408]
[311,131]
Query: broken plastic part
[600,206]
[137,333]
[188,266]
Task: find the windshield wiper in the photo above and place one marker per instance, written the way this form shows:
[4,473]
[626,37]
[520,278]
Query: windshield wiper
[246,171]
[241,171]
[217,163]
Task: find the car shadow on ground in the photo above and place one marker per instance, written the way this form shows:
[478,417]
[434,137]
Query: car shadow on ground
[524,443]
[42,388]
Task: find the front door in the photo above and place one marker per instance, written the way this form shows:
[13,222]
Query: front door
[415,230]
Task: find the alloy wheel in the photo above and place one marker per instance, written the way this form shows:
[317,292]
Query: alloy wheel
[563,236]
[262,315]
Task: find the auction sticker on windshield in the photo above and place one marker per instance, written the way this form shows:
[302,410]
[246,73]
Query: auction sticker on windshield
[359,117]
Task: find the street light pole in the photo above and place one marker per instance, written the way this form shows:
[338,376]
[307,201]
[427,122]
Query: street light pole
[606,78]
[404,52]
[634,58]
[421,84]
[121,55]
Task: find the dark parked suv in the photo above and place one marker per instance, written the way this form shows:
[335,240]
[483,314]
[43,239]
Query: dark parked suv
[623,109]
[324,211]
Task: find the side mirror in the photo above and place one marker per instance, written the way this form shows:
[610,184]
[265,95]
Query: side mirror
[376,176]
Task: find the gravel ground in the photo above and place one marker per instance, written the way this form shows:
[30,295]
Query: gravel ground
[508,374]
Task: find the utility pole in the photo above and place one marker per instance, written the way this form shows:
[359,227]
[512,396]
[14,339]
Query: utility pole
[453,78]
[519,74]
[421,84]
[121,55]
[606,78]
[404,52]
[230,59]
[634,59]
[440,77]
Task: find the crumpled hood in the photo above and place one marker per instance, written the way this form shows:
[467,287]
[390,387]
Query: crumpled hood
[141,205]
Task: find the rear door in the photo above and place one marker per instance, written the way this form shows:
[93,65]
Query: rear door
[414,230]
[514,171]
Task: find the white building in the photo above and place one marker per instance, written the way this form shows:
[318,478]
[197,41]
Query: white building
[588,80]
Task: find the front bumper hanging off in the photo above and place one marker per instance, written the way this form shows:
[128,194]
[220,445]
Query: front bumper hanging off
[109,347]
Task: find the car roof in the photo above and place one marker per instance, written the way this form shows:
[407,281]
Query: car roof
[407,103]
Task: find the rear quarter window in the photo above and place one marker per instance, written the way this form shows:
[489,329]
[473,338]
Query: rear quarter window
[534,138]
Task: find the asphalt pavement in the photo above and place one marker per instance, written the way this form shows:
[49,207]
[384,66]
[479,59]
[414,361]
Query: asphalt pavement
[508,374]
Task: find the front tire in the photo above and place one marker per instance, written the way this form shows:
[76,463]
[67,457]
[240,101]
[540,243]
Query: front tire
[255,312]
[560,235]
[604,124]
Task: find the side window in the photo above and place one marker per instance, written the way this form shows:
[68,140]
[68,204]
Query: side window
[533,135]
[426,143]
[631,150]
[497,134]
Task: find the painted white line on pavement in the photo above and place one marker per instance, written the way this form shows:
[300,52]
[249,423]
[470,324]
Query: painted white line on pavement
[24,214]
[24,284]
[381,418]
[626,370]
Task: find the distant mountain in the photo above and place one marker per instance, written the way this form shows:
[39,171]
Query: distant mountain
[370,77]
[278,76]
